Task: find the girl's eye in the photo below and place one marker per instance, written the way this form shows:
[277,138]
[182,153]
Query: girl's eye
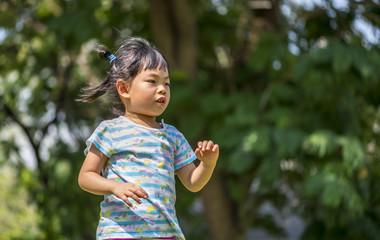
[167,84]
[151,81]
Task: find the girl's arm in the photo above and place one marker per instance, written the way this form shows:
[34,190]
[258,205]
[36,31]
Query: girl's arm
[90,180]
[195,178]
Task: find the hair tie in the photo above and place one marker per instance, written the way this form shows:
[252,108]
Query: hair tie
[111,58]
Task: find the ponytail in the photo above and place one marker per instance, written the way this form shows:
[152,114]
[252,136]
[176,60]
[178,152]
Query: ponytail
[105,54]
[91,93]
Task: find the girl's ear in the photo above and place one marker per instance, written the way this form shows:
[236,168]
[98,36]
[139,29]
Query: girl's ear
[122,88]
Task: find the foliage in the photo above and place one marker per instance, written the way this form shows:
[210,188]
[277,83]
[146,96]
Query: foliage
[296,114]
[18,215]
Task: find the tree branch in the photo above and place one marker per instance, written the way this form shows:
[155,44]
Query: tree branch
[10,113]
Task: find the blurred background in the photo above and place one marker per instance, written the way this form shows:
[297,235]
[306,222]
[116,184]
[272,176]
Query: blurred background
[289,89]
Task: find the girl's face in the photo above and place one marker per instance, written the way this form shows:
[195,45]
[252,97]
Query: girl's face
[148,93]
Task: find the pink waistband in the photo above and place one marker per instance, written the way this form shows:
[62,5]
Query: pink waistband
[159,238]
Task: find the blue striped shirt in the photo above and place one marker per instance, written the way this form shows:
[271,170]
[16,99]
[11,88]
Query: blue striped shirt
[147,157]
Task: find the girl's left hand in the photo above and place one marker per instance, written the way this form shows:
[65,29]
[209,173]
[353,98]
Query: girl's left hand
[207,152]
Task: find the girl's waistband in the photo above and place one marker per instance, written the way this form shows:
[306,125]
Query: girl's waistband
[159,238]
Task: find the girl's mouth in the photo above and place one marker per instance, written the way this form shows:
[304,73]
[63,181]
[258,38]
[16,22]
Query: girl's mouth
[161,102]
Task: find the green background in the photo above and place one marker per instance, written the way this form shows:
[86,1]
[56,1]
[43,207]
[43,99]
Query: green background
[290,91]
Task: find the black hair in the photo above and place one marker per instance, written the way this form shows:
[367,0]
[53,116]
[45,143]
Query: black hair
[133,55]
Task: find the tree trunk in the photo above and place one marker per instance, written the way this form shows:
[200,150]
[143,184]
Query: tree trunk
[218,210]
[174,32]
[161,28]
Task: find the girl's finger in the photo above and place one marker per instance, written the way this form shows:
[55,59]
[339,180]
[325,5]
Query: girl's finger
[210,144]
[125,199]
[141,193]
[216,147]
[135,197]
[204,145]
[198,152]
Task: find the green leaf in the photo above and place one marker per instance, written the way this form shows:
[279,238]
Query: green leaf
[321,143]
[334,189]
[284,92]
[354,155]
[268,172]
[240,162]
[214,103]
[301,67]
[258,141]
[341,58]
[62,170]
[323,55]
[313,185]
[282,117]
[288,142]
[361,63]
[227,140]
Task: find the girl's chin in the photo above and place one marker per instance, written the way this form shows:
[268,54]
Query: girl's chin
[152,115]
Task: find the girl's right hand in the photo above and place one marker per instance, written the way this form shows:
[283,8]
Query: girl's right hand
[90,180]
[129,190]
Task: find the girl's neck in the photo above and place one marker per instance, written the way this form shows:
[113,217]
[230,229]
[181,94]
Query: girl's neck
[146,121]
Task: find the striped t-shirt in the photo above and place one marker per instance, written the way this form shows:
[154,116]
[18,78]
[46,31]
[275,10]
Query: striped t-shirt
[147,157]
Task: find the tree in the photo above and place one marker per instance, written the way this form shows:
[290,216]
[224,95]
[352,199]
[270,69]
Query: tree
[289,93]
[18,215]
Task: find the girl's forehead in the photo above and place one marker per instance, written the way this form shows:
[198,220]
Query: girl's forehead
[157,72]
[158,68]
[154,65]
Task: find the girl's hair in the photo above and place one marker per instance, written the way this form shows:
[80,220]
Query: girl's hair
[133,56]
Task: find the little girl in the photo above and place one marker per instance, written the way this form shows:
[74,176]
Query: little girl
[132,159]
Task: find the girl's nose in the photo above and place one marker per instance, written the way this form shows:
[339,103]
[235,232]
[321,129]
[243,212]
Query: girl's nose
[161,89]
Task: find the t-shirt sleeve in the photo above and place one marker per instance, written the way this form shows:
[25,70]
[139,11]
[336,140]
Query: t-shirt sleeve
[102,140]
[184,154]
